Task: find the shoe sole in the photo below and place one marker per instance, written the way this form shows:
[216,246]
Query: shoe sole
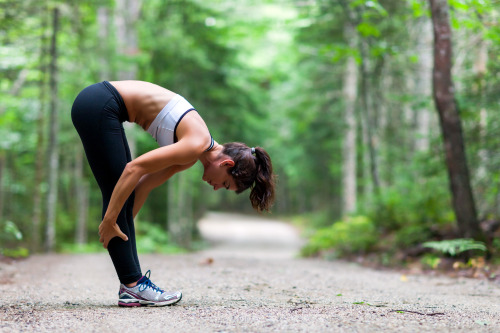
[140,302]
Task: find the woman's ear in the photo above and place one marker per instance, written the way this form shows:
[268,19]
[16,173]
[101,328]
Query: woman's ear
[227,162]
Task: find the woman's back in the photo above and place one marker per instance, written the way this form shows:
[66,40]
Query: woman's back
[143,100]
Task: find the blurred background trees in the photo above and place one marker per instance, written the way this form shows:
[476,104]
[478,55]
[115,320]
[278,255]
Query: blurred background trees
[339,93]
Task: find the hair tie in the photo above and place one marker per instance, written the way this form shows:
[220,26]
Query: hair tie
[253,150]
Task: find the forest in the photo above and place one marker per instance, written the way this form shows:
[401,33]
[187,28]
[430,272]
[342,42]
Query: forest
[381,117]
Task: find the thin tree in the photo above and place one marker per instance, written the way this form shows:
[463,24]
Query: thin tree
[422,88]
[40,138]
[126,15]
[451,127]
[82,198]
[350,93]
[53,137]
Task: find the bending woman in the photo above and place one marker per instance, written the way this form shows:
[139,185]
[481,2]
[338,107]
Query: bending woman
[98,113]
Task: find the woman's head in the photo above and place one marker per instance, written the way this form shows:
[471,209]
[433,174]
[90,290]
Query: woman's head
[252,169]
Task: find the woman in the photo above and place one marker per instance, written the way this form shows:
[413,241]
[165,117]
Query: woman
[98,113]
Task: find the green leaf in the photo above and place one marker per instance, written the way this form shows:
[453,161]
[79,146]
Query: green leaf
[455,246]
[418,8]
[11,229]
[377,6]
[366,29]
[459,4]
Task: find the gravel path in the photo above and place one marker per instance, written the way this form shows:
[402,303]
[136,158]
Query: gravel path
[251,284]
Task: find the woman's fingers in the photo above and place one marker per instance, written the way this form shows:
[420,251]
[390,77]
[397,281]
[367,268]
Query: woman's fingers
[123,236]
[107,234]
[119,233]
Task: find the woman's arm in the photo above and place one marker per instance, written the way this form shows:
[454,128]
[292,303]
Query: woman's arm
[150,181]
[184,152]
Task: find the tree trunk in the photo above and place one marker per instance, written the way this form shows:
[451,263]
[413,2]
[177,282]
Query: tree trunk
[422,84]
[40,156]
[103,36]
[173,212]
[458,173]
[369,122]
[180,210]
[350,92]
[53,137]
[82,201]
[481,175]
[126,15]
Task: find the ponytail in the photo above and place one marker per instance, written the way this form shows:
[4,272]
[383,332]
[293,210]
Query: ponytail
[262,193]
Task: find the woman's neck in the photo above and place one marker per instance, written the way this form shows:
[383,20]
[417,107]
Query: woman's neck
[211,155]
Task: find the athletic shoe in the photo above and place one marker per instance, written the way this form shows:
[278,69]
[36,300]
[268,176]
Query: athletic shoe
[146,293]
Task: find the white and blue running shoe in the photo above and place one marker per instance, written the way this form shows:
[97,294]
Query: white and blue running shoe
[146,293]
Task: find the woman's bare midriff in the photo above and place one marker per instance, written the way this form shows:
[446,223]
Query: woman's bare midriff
[143,100]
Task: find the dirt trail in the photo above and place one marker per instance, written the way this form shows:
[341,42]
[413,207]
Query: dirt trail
[254,284]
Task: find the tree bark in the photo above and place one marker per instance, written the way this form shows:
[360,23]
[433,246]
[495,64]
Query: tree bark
[350,93]
[180,210]
[53,139]
[422,86]
[126,15]
[40,138]
[82,201]
[451,128]
[103,36]
[369,122]
[481,178]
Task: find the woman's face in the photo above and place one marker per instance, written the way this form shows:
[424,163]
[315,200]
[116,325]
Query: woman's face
[216,175]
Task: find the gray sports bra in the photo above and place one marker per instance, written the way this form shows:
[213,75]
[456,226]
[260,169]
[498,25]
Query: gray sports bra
[165,124]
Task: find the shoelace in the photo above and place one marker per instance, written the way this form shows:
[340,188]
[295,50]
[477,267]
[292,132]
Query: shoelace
[147,283]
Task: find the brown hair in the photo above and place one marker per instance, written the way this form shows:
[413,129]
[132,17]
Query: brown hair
[252,171]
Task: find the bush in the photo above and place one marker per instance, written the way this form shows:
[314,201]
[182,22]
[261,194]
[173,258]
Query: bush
[351,236]
[313,220]
[412,235]
[151,238]
[92,247]
[410,203]
[10,236]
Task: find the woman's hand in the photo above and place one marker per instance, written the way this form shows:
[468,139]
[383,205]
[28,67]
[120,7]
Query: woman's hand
[108,231]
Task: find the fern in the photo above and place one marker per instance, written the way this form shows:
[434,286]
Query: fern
[455,246]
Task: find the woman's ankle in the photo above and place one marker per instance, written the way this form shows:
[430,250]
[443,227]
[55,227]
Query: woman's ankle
[131,285]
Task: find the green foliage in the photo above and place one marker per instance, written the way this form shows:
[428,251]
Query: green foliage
[495,250]
[92,247]
[10,232]
[420,203]
[412,235]
[350,236]
[430,260]
[313,220]
[10,236]
[454,247]
[152,238]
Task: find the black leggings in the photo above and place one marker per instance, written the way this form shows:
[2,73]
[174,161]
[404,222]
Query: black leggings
[98,113]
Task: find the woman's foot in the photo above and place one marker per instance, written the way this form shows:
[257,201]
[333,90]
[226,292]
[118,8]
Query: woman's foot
[146,293]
